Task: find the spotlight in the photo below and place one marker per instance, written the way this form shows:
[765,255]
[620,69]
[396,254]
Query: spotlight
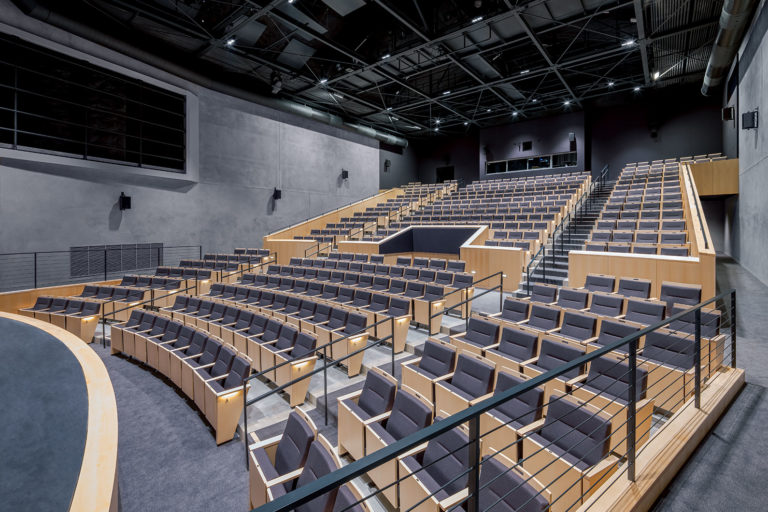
[230,42]
[514,114]
[534,100]
[567,102]
[525,71]
[628,43]
[389,108]
[437,121]
[476,19]
[466,123]
[323,80]
[656,75]
[488,110]
[385,56]
[611,84]
[637,89]
[446,93]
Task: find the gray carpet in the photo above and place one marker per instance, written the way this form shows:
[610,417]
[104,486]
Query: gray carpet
[44,404]
[167,456]
[727,471]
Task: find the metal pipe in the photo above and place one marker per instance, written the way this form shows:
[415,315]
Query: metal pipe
[33,9]
[734,21]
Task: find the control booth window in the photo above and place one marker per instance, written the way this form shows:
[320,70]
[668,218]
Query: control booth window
[553,161]
[56,104]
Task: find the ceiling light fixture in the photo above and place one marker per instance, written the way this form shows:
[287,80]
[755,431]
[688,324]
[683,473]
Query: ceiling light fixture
[525,71]
[656,75]
[291,1]
[389,108]
[476,19]
[567,102]
[611,84]
[488,110]
[466,123]
[231,41]
[385,56]
[534,100]
[437,121]
[323,80]
[628,43]
[446,93]
[637,89]
[514,114]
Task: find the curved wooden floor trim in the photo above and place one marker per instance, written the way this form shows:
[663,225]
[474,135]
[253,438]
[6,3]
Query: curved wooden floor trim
[96,488]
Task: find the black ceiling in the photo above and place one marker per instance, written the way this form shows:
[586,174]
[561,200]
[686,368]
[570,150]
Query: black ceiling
[412,66]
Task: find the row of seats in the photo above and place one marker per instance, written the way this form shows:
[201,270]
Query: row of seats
[266,337]
[356,262]
[80,317]
[623,248]
[208,371]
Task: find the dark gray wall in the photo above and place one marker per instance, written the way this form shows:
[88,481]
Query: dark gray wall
[462,152]
[404,166]
[549,135]
[685,124]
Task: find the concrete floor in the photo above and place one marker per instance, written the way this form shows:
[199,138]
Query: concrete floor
[727,471]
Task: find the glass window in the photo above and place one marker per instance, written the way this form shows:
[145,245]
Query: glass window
[494,167]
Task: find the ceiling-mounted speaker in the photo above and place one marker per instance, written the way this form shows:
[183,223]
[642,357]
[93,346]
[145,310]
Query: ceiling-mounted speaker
[728,114]
[571,137]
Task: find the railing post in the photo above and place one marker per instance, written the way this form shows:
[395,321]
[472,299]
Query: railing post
[733,329]
[35,271]
[697,359]
[474,465]
[200,252]
[501,291]
[105,264]
[631,410]
[392,327]
[325,380]
[245,424]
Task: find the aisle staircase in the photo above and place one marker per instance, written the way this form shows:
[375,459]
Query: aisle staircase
[551,266]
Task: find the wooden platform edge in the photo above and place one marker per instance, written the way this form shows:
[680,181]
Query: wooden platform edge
[667,452]
[97,483]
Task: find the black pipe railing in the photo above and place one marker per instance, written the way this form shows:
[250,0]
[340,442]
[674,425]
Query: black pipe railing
[469,300]
[471,416]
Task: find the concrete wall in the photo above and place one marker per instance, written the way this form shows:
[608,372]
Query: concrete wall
[684,122]
[245,150]
[750,234]
[549,135]
[462,152]
[404,166]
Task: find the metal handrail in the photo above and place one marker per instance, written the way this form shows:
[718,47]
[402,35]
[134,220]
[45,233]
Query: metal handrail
[499,286]
[335,479]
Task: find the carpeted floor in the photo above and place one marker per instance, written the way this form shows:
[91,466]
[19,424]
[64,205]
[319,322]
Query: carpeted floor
[727,471]
[167,456]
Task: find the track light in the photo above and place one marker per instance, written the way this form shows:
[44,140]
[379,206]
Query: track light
[514,114]
[525,71]
[446,93]
[567,102]
[466,123]
[534,100]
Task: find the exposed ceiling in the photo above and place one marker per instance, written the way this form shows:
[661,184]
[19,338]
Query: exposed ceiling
[416,66]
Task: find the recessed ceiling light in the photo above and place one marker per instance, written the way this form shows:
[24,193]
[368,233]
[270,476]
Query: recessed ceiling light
[385,56]
[389,108]
[437,121]
[476,19]
[488,110]
[231,41]
[437,129]
[291,1]
[525,71]
[628,42]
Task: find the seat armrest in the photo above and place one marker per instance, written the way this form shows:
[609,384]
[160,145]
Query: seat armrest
[576,380]
[415,361]
[378,418]
[479,399]
[602,466]
[285,478]
[530,361]
[443,378]
[348,396]
[531,428]
[459,335]
[451,501]
[413,451]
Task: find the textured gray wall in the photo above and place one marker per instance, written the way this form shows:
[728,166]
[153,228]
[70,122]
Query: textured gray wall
[404,167]
[244,150]
[750,235]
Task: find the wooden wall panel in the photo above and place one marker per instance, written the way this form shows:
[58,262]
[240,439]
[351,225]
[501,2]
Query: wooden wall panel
[720,177]
[484,261]
[287,249]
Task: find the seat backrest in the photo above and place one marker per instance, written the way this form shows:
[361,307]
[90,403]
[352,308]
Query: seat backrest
[90,308]
[573,299]
[710,322]
[378,394]
[515,310]
[196,343]
[611,377]
[456,266]
[524,408]
[210,351]
[398,307]
[577,431]
[446,460]
[304,346]
[355,323]
[438,358]
[554,354]
[680,293]
[322,313]
[633,287]
[578,325]
[604,304]
[223,362]
[287,337]
[337,319]
[544,317]
[482,332]
[644,312]
[543,293]
[612,331]
[271,330]
[135,318]
[517,343]
[361,298]
[507,490]
[670,349]
[293,447]
[473,376]
[320,462]
[397,286]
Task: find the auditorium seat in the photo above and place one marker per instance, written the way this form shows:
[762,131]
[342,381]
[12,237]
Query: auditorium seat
[502,428]
[399,315]
[516,346]
[270,331]
[613,330]
[41,303]
[436,362]
[712,342]
[480,334]
[431,303]
[543,318]
[437,482]
[508,487]
[218,368]
[355,338]
[470,383]
[302,359]
[190,364]
[679,293]
[513,310]
[554,353]
[669,359]
[572,466]
[646,312]
[410,413]
[280,456]
[572,298]
[358,409]
[83,323]
[543,293]
[606,386]
[577,326]
[605,304]
[170,334]
[196,345]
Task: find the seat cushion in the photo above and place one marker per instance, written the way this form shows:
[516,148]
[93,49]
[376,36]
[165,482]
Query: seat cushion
[269,471]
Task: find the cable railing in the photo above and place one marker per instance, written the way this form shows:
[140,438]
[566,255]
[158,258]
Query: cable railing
[611,428]
[468,300]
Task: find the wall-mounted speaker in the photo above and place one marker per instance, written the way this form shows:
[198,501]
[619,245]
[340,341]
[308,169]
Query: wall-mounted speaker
[277,194]
[728,113]
[124,201]
[749,120]
[527,145]
[387,165]
[344,174]
[571,137]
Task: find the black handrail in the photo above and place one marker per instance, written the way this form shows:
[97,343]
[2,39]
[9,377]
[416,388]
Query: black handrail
[499,286]
[346,473]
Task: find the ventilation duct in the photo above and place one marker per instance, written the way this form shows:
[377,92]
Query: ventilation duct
[734,21]
[35,10]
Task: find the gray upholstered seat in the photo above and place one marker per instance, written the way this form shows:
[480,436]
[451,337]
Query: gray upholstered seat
[610,377]
[710,322]
[376,398]
[437,359]
[319,463]
[605,304]
[522,409]
[574,434]
[612,331]
[515,310]
[669,349]
[543,318]
[291,452]
[471,379]
[503,490]
[409,415]
[679,293]
[572,299]
[516,344]
[578,326]
[543,293]
[480,333]
[644,312]
[632,287]
[554,354]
